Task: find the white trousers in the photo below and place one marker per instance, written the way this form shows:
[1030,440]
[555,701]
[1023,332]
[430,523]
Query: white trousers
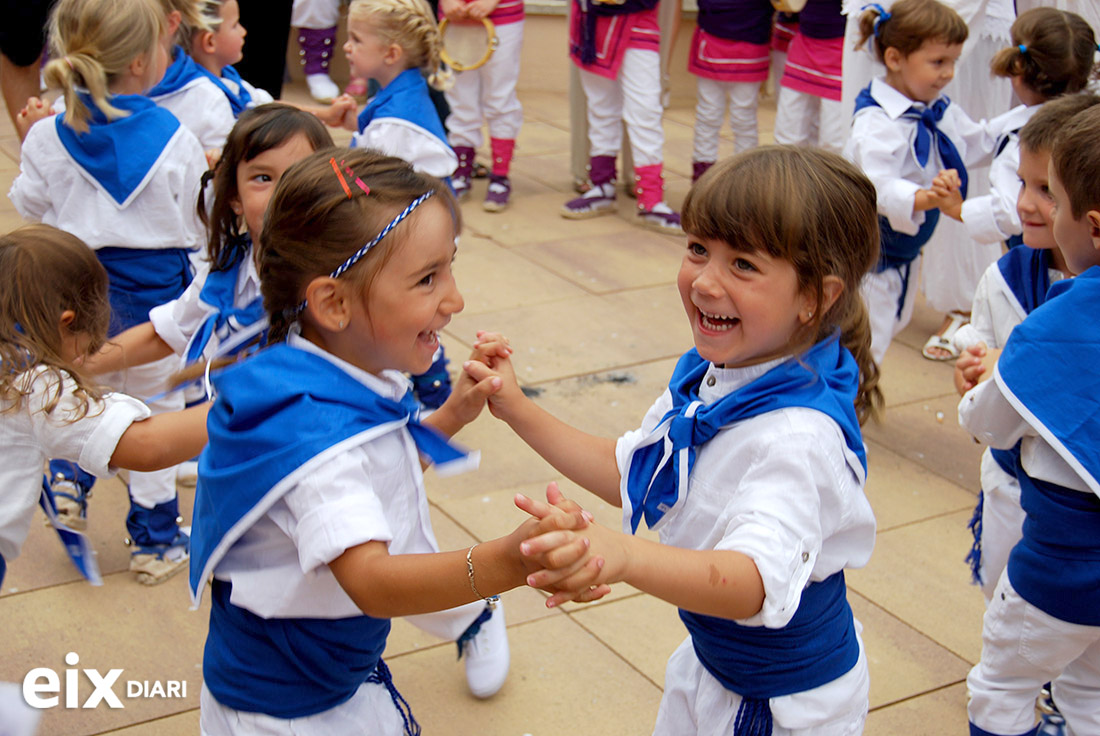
[143,382]
[633,98]
[1024,648]
[487,95]
[807,120]
[1002,522]
[712,98]
[880,292]
[315,14]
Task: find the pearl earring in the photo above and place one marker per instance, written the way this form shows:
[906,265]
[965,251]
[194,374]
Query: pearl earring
[341,324]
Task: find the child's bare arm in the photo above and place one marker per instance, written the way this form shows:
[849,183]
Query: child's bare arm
[712,582]
[163,440]
[468,396]
[585,459]
[136,346]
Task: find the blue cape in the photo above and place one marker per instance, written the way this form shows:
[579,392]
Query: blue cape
[406,98]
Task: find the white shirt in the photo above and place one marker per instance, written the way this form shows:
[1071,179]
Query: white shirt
[177,321]
[52,188]
[784,489]
[881,144]
[992,218]
[986,413]
[372,491]
[424,151]
[203,109]
[995,311]
[30,437]
[259,96]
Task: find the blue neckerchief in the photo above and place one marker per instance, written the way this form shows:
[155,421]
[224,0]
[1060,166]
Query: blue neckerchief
[277,414]
[181,72]
[926,119]
[1058,345]
[120,154]
[228,317]
[406,98]
[1026,273]
[818,645]
[239,100]
[825,378]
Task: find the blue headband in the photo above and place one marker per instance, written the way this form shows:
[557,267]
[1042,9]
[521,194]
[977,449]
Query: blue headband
[355,257]
[883,16]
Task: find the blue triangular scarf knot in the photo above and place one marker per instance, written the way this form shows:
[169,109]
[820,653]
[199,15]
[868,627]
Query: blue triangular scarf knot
[825,378]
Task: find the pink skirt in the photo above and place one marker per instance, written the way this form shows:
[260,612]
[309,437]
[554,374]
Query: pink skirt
[782,33]
[813,66]
[727,61]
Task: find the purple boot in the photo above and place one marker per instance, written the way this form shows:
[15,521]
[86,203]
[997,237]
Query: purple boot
[462,179]
[316,45]
[600,199]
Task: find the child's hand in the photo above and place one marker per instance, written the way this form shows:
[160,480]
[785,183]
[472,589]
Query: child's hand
[36,109]
[468,396]
[479,9]
[947,195]
[969,368]
[492,355]
[453,10]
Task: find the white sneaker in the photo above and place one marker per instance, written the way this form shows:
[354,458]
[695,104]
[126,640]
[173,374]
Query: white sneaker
[487,656]
[322,88]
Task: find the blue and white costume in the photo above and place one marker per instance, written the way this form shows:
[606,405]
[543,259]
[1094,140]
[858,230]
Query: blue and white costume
[1008,291]
[188,91]
[992,218]
[901,151]
[402,121]
[1044,621]
[31,437]
[348,474]
[781,480]
[128,189]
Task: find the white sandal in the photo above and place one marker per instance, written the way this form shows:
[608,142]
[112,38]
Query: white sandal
[945,341]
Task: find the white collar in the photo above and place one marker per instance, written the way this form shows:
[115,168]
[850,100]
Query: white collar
[893,102]
[390,384]
[728,380]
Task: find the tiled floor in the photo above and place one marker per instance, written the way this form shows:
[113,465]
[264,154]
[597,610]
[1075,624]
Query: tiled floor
[592,310]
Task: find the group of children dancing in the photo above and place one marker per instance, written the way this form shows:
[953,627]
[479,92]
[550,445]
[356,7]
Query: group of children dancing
[299,285]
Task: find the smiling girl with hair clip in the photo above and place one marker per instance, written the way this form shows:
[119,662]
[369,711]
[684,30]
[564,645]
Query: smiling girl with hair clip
[311,513]
[914,144]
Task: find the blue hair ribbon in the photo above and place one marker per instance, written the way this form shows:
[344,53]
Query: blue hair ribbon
[883,16]
[1023,49]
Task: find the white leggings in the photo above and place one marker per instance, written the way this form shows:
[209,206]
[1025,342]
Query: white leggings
[710,108]
[488,94]
[807,120]
[633,98]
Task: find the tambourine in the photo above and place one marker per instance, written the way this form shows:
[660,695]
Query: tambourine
[789,6]
[467,46]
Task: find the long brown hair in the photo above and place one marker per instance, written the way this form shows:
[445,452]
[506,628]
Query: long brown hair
[313,224]
[814,210]
[1052,52]
[257,130]
[908,24]
[43,272]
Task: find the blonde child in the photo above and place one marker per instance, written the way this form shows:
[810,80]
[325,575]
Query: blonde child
[54,312]
[487,95]
[808,109]
[729,55]
[395,42]
[1043,623]
[121,173]
[913,144]
[616,47]
[751,465]
[1052,54]
[219,44]
[311,513]
[221,312]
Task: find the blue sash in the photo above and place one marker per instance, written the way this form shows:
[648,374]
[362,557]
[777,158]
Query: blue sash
[120,154]
[142,279]
[239,100]
[287,667]
[825,378]
[897,248]
[229,318]
[818,645]
[275,413]
[405,98]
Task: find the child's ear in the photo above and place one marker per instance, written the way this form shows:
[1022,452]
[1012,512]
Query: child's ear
[394,54]
[172,23]
[206,42]
[1092,217]
[236,206]
[831,289]
[66,319]
[327,303]
[892,58]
